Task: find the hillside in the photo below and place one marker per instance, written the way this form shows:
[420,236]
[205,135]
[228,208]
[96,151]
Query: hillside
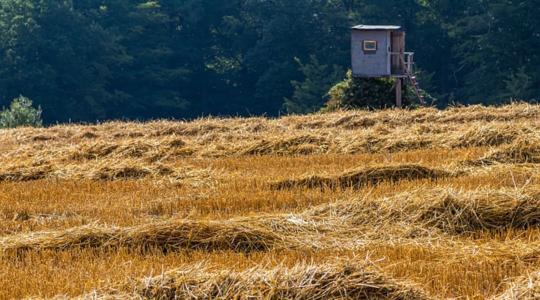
[419,204]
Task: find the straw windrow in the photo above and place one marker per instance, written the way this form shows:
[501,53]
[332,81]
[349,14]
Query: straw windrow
[303,281]
[362,177]
[436,210]
[336,133]
[523,288]
[523,150]
[448,210]
[209,236]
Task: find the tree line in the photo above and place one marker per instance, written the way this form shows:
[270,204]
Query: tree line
[88,60]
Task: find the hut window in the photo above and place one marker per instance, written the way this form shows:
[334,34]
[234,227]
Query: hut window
[370,46]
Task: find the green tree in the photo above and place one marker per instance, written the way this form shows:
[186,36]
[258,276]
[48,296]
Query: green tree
[517,86]
[20,113]
[86,60]
[287,30]
[494,42]
[54,53]
[310,94]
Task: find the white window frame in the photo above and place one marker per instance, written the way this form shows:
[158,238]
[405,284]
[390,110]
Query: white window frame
[367,43]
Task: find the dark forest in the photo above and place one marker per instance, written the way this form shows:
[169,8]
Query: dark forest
[88,60]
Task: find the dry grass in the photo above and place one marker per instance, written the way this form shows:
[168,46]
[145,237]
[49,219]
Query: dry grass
[396,204]
[427,213]
[447,210]
[111,170]
[523,150]
[362,177]
[526,287]
[332,281]
[491,210]
[167,236]
[391,131]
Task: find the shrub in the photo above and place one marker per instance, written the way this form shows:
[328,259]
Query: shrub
[20,113]
[365,93]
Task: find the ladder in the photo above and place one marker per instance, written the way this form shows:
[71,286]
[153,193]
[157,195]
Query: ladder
[409,74]
[416,87]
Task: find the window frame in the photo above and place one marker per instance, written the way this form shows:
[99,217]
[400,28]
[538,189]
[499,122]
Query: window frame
[368,49]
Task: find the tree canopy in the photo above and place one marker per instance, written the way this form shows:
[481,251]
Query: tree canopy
[86,60]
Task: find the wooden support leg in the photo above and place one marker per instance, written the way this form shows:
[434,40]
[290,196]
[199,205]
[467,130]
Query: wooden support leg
[399,96]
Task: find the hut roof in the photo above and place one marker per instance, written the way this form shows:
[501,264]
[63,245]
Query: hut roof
[376,27]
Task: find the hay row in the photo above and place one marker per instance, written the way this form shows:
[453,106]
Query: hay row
[109,170]
[150,150]
[135,159]
[523,288]
[104,172]
[488,211]
[349,120]
[305,144]
[363,177]
[299,142]
[338,133]
[171,235]
[303,281]
[448,211]
[522,151]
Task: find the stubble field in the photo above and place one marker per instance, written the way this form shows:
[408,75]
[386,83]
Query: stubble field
[420,204]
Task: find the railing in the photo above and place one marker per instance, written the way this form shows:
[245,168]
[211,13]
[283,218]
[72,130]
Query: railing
[409,62]
[405,65]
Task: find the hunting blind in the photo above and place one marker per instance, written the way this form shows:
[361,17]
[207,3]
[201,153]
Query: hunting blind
[379,51]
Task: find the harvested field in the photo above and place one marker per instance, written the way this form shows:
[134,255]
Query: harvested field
[419,204]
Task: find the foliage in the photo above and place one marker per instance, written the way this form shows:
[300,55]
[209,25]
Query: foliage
[493,42]
[90,60]
[309,94]
[365,93]
[20,113]
[517,86]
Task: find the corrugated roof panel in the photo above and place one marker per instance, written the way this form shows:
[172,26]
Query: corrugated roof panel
[376,27]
